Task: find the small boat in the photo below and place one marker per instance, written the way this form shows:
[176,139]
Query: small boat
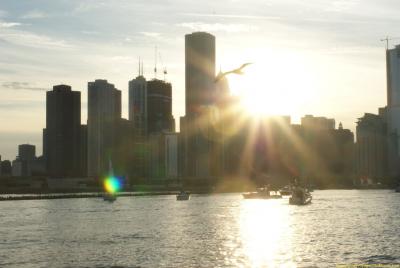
[262,193]
[397,190]
[109,197]
[183,196]
[287,190]
[300,196]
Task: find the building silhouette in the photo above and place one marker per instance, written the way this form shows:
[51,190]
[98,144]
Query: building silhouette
[62,136]
[393,110]
[104,113]
[196,129]
[27,152]
[138,103]
[371,148]
[150,106]
[159,107]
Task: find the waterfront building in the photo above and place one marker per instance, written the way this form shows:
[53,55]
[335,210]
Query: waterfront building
[21,168]
[27,152]
[163,157]
[62,134]
[393,110]
[159,107]
[138,103]
[371,148]
[104,113]
[317,123]
[196,128]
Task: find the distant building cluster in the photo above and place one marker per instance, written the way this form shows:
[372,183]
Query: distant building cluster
[216,142]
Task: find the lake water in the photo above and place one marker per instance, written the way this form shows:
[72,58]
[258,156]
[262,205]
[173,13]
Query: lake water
[221,230]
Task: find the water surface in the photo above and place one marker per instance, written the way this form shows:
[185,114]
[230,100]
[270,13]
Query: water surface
[221,230]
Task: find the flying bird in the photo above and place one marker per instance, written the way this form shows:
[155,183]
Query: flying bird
[238,71]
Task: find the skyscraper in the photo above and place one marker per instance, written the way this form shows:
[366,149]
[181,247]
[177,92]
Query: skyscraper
[150,106]
[198,144]
[393,109]
[159,107]
[62,134]
[138,103]
[104,113]
[199,70]
[27,152]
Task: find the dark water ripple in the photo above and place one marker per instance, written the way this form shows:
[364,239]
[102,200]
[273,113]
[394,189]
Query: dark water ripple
[207,231]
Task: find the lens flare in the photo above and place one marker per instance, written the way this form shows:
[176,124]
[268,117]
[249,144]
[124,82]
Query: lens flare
[112,184]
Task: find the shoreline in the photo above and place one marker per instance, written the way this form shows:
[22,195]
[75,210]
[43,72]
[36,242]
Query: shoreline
[50,196]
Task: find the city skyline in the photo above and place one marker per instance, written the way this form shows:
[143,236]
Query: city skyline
[344,57]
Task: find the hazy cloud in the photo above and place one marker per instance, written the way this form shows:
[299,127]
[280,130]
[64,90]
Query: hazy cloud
[232,16]
[4,24]
[21,86]
[34,14]
[30,39]
[218,27]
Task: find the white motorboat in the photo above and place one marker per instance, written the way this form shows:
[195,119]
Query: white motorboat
[262,193]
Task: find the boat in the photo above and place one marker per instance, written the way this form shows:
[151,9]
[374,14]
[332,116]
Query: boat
[300,196]
[287,190]
[109,197]
[262,193]
[183,196]
[397,190]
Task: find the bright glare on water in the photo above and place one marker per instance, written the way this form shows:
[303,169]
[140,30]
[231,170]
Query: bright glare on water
[221,230]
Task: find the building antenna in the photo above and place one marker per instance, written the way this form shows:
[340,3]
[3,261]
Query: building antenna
[139,67]
[387,41]
[155,62]
[164,67]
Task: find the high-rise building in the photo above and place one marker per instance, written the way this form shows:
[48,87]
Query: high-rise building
[138,104]
[393,109]
[159,107]
[198,142]
[104,113]
[311,122]
[371,148]
[27,152]
[199,71]
[150,106]
[62,134]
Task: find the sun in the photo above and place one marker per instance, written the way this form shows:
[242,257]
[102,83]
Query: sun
[274,85]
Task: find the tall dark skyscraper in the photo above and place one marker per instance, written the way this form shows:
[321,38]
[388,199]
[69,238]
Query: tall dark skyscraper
[138,104]
[199,70]
[62,134]
[159,107]
[197,144]
[26,152]
[150,106]
[393,109]
[104,114]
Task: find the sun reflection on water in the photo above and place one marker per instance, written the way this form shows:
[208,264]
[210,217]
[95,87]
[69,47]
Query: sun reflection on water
[265,232]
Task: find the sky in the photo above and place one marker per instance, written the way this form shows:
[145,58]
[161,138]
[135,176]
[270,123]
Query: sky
[320,57]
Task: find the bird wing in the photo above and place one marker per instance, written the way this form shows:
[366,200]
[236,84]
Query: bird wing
[245,64]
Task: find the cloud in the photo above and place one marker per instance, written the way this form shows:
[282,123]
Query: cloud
[30,39]
[4,24]
[151,34]
[232,16]
[218,27]
[34,14]
[21,86]
[3,13]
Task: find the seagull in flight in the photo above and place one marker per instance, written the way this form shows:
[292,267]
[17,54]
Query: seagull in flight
[238,71]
